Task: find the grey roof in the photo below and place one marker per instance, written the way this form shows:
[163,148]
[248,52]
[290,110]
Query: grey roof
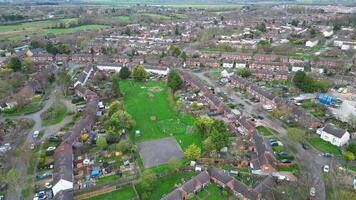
[220,175]
[64,195]
[331,129]
[63,163]
[263,92]
[264,150]
[244,190]
[265,186]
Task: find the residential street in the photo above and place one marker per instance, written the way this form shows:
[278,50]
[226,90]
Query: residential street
[310,161]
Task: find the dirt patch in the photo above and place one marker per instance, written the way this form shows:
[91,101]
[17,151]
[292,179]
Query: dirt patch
[153,118]
[150,94]
[155,89]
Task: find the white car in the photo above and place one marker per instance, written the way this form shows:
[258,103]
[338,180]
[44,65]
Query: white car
[48,185]
[312,191]
[35,134]
[326,168]
[51,148]
[32,146]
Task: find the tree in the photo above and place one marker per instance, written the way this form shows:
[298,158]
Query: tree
[261,27]
[219,139]
[101,143]
[244,72]
[351,119]
[65,81]
[175,82]
[323,85]
[174,50]
[295,22]
[148,180]
[192,152]
[174,165]
[124,73]
[203,124]
[120,120]
[299,78]
[295,134]
[209,146]
[115,91]
[50,48]
[15,64]
[35,44]
[114,107]
[349,156]
[183,55]
[352,148]
[139,73]
[14,179]
[282,111]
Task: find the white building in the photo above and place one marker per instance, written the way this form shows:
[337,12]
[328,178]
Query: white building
[310,43]
[334,135]
[228,65]
[115,68]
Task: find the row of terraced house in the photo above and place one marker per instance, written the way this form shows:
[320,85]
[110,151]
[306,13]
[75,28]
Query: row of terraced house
[263,159]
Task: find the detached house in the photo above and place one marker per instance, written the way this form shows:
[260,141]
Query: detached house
[334,135]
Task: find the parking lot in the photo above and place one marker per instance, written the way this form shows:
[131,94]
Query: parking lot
[156,152]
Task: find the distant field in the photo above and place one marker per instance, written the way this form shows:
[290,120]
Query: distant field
[18,31]
[124,18]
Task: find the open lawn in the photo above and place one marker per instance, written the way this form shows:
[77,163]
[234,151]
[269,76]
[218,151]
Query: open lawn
[323,146]
[124,18]
[266,131]
[166,184]
[106,179]
[155,118]
[212,192]
[124,193]
[18,31]
[54,115]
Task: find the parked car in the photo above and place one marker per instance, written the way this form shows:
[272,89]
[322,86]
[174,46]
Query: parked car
[35,134]
[32,146]
[305,146]
[328,155]
[44,176]
[274,144]
[48,185]
[285,161]
[326,168]
[312,191]
[272,140]
[282,153]
[341,152]
[260,117]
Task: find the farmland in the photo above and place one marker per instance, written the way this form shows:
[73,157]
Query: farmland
[18,31]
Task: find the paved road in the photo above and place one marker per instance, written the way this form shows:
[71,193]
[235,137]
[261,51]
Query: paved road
[310,160]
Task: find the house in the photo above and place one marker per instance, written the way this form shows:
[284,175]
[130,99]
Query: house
[84,76]
[192,62]
[297,67]
[240,64]
[109,67]
[192,186]
[334,135]
[239,82]
[171,61]
[228,64]
[268,66]
[211,63]
[266,97]
[63,171]
[237,188]
[158,70]
[270,75]
[302,117]
[245,126]
[311,43]
[265,160]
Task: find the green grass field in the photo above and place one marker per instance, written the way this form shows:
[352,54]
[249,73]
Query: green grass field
[266,131]
[123,18]
[58,113]
[154,116]
[123,193]
[18,31]
[323,146]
